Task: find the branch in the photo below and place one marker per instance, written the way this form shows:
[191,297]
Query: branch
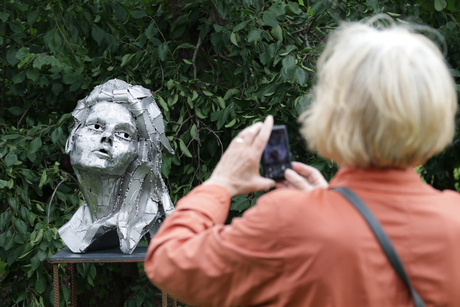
[24,114]
[218,19]
[52,197]
[180,127]
[217,137]
[198,44]
[227,59]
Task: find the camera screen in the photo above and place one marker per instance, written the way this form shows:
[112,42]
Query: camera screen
[276,151]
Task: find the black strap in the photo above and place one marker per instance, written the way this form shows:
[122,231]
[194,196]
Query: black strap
[383,239]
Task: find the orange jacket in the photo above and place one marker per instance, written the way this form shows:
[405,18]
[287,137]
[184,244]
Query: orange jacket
[312,249]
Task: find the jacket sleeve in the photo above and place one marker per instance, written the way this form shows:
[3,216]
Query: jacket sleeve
[201,262]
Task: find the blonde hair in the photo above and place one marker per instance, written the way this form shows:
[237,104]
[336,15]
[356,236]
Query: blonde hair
[384,98]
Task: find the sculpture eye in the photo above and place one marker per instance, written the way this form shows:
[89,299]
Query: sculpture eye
[124,135]
[96,127]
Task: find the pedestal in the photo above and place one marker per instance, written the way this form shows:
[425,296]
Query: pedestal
[113,255]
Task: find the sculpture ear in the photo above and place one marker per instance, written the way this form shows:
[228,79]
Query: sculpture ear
[71,140]
[69,144]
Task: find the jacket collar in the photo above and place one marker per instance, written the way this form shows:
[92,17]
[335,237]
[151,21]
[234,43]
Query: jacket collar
[385,180]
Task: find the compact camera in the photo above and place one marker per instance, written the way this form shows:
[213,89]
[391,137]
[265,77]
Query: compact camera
[276,157]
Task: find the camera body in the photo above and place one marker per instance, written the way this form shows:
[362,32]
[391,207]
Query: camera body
[276,157]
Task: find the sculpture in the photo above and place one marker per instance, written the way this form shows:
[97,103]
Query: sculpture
[115,151]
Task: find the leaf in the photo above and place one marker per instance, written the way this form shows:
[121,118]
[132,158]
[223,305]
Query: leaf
[233,39]
[200,114]
[294,7]
[269,19]
[22,53]
[57,88]
[151,31]
[43,179]
[15,111]
[126,58]
[254,35]
[16,26]
[2,184]
[240,203]
[186,46]
[22,296]
[301,75]
[35,145]
[98,34]
[277,33]
[18,78]
[194,95]
[21,226]
[221,102]
[454,72]
[55,41]
[374,4]
[163,50]
[40,285]
[231,124]
[32,17]
[184,148]
[11,57]
[288,61]
[10,159]
[222,118]
[33,74]
[439,5]
[240,26]
[120,12]
[173,99]
[165,167]
[4,16]
[193,131]
[162,103]
[230,93]
[92,271]
[450,25]
[209,94]
[138,14]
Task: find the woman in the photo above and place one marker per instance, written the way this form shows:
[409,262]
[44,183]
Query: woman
[385,102]
[115,151]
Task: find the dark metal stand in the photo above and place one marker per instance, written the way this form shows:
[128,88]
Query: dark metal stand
[104,256]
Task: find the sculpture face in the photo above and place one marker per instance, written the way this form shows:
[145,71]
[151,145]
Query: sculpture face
[107,142]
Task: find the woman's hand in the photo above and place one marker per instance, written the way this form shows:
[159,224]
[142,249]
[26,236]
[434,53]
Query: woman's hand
[238,169]
[303,177]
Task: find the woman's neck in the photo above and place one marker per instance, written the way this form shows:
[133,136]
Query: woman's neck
[100,193]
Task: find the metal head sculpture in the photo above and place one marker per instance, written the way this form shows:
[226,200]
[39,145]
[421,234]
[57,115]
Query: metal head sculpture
[115,151]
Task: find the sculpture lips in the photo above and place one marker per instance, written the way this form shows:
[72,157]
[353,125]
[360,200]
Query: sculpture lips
[103,153]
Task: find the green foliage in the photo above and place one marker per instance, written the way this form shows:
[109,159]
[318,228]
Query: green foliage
[214,67]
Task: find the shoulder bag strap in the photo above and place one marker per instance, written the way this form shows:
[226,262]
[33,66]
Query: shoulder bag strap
[383,239]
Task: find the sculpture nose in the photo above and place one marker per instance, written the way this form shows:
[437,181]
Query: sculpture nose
[107,137]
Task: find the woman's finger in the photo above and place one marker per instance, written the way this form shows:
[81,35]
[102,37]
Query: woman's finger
[297,181]
[313,175]
[261,139]
[248,133]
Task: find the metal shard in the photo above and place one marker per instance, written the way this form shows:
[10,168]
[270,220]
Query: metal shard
[115,151]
